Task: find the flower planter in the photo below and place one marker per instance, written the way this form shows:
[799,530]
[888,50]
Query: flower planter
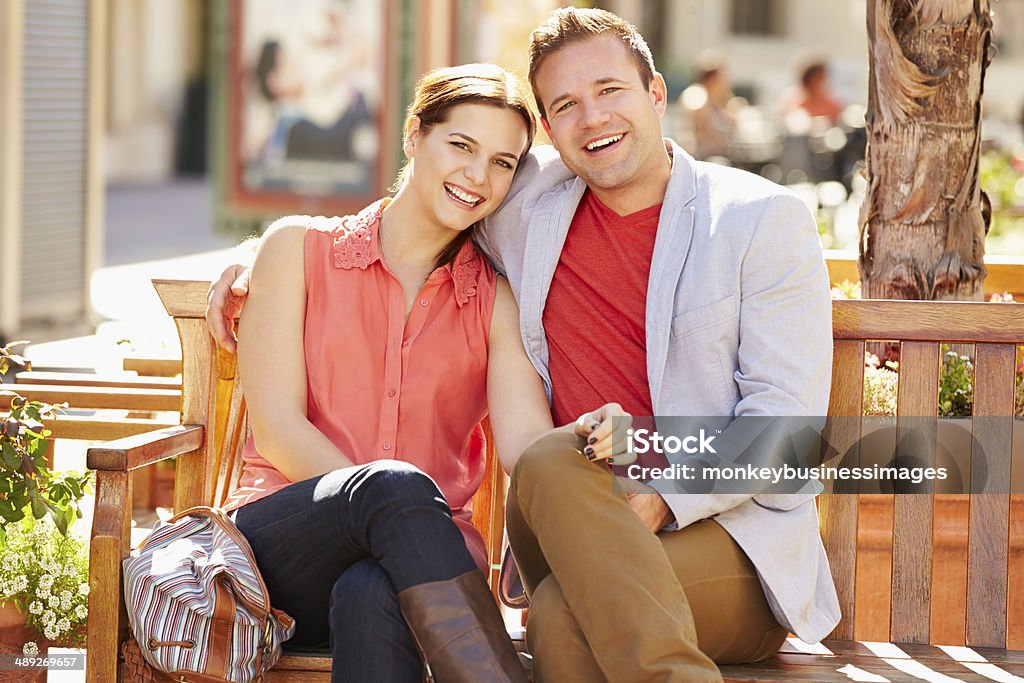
[13,636]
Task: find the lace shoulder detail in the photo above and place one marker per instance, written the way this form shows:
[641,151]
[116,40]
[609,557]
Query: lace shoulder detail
[466,272]
[353,241]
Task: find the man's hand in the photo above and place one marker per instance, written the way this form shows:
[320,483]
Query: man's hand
[647,503]
[224,302]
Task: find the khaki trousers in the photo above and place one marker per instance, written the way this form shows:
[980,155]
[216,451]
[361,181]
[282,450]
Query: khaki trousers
[609,600]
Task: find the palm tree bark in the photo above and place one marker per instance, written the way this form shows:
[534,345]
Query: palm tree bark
[924,219]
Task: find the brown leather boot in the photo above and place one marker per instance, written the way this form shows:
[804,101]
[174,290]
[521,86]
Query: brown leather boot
[459,630]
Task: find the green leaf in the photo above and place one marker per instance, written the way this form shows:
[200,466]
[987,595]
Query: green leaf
[6,510]
[38,507]
[10,457]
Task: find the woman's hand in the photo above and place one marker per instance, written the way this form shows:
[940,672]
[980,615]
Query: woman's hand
[224,302]
[604,431]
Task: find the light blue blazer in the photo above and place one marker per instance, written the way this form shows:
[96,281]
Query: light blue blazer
[738,323]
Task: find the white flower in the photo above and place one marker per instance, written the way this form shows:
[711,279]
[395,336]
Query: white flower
[30,648]
[65,603]
[35,608]
[51,632]
[20,583]
[45,581]
[49,617]
[54,602]
[81,612]
[83,589]
[64,624]
[70,570]
[43,592]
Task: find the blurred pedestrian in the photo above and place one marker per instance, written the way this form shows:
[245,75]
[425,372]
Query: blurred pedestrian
[811,97]
[705,107]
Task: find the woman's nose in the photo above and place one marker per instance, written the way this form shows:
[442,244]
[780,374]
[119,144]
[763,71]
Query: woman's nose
[475,171]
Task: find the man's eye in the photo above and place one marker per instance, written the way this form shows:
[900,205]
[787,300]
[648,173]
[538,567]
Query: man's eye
[563,107]
[609,90]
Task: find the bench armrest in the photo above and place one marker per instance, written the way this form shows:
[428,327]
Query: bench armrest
[133,452]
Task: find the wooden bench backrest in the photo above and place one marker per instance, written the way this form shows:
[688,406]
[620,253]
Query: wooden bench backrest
[951,571]
[974,597]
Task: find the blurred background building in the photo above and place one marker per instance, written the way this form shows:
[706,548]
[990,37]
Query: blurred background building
[134,130]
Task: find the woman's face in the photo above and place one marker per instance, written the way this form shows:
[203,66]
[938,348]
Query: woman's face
[462,168]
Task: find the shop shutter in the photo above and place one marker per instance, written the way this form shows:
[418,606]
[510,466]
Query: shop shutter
[55,89]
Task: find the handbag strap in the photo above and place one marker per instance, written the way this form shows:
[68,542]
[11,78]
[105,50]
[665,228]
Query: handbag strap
[222,629]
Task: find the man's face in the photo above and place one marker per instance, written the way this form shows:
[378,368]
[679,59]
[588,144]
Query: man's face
[602,120]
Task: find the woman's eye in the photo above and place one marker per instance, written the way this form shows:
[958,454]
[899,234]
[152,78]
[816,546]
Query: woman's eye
[461,145]
[504,164]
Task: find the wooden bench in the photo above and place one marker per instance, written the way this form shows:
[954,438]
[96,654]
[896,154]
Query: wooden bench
[100,393]
[906,602]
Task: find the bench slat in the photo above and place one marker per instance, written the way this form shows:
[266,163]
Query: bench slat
[1015,580]
[146,365]
[935,321]
[299,668]
[192,485]
[949,568]
[826,669]
[918,651]
[873,597]
[104,397]
[100,429]
[989,525]
[839,510]
[912,515]
[85,379]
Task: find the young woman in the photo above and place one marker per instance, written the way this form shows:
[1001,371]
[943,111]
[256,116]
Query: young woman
[370,348]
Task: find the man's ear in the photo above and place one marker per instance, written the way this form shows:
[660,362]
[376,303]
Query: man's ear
[412,136]
[547,129]
[658,93]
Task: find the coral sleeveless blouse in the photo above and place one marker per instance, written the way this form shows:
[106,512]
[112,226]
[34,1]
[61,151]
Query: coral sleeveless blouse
[381,386]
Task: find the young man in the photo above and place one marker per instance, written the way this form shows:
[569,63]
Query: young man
[675,288]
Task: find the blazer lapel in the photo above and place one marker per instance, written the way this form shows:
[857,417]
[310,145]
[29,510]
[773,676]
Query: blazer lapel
[549,225]
[671,246]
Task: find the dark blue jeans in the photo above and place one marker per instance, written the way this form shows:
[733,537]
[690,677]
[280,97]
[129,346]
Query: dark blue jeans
[336,550]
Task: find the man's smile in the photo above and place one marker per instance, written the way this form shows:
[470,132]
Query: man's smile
[603,143]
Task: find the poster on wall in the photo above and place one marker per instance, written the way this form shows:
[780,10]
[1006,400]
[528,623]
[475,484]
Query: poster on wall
[305,105]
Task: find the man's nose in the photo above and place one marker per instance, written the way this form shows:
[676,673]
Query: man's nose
[593,115]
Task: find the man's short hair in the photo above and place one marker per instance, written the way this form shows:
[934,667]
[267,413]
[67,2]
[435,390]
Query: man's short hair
[567,25]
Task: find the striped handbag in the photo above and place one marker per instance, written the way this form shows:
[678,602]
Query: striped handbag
[197,604]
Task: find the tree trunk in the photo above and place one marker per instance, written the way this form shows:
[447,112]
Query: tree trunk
[924,219]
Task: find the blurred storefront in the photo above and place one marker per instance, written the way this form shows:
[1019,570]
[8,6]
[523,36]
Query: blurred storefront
[51,170]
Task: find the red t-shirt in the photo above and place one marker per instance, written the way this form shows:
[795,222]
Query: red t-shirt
[596,309]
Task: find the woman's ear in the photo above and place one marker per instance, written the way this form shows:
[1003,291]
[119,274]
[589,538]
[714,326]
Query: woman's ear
[412,134]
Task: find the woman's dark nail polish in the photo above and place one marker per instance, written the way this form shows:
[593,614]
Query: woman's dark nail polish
[592,440]
[589,452]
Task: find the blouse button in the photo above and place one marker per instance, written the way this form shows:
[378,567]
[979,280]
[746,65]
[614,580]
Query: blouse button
[386,445]
[391,393]
[424,302]
[405,343]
